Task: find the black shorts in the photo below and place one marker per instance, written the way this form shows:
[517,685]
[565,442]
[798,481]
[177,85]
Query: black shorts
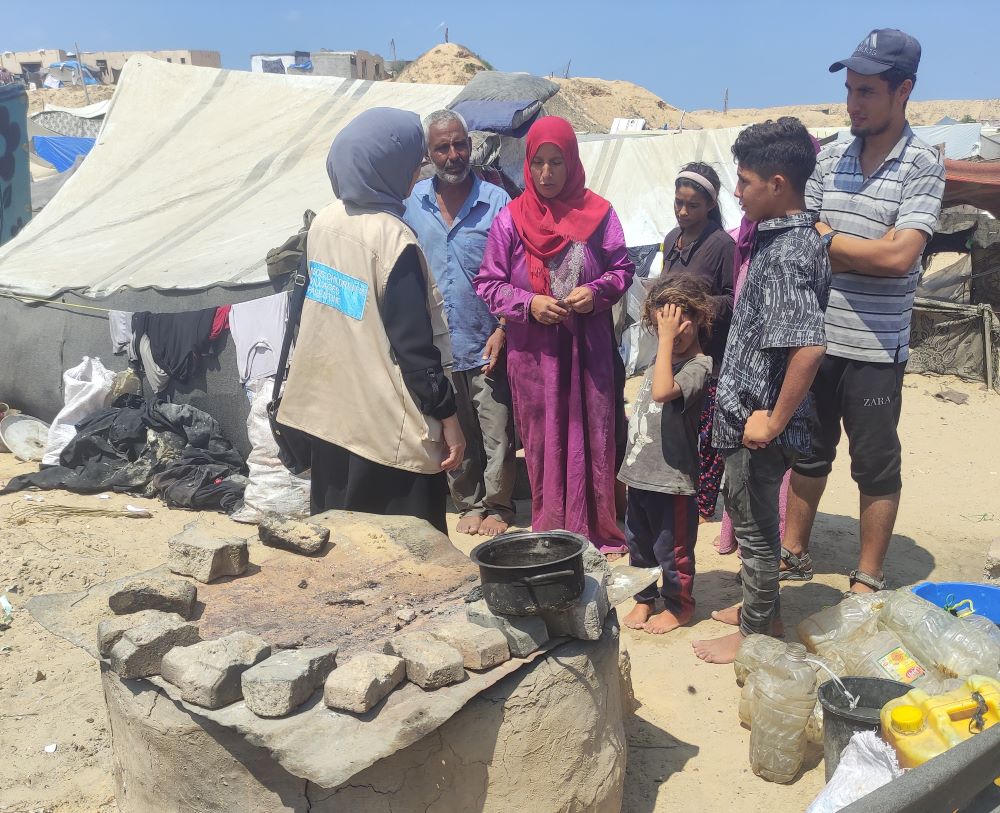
[867,397]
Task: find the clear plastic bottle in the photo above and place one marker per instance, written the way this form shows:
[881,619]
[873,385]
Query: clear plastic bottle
[954,647]
[884,655]
[783,699]
[853,617]
[754,651]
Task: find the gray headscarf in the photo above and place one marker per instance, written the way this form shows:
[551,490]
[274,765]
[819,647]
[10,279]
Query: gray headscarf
[373,159]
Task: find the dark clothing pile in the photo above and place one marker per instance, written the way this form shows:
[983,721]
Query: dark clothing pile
[172,451]
[177,340]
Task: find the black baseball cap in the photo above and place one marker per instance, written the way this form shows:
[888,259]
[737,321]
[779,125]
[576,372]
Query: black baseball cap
[882,49]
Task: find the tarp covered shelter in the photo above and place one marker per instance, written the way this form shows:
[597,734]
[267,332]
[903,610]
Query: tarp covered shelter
[196,175]
[61,151]
[71,72]
[976,183]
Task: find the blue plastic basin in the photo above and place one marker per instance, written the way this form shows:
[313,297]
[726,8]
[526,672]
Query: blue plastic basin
[985,597]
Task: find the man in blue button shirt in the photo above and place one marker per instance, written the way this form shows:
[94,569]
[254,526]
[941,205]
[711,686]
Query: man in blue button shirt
[451,214]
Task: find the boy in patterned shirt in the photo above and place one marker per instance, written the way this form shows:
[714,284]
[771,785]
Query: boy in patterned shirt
[775,346]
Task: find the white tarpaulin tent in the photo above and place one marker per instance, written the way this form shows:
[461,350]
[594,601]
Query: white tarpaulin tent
[195,176]
[197,173]
[636,172]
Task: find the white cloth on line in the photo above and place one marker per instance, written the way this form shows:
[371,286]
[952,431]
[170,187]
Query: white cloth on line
[258,328]
[120,323]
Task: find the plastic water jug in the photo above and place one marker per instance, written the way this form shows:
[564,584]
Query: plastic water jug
[757,650]
[884,655]
[954,647]
[921,726]
[754,651]
[783,699]
[856,615]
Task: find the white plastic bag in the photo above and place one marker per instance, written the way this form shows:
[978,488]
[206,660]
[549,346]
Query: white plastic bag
[272,487]
[86,388]
[866,764]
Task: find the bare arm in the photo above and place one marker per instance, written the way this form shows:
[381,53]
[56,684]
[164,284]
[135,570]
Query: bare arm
[670,322]
[891,256]
[763,426]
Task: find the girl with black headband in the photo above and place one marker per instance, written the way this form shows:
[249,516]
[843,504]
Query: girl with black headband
[701,247]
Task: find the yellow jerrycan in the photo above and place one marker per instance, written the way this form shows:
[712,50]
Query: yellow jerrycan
[919,726]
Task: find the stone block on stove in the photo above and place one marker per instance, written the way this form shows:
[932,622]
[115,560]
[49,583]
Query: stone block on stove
[195,553]
[110,630]
[430,663]
[360,684]
[140,650]
[585,618]
[154,593]
[294,535]
[279,685]
[209,674]
[481,647]
[524,634]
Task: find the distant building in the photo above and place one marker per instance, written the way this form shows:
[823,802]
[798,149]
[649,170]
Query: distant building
[106,64]
[346,64]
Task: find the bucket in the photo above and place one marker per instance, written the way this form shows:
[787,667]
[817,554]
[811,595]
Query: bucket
[841,722]
[985,598]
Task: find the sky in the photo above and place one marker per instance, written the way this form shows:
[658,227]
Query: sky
[688,53]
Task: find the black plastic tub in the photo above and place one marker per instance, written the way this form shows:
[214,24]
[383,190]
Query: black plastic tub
[840,722]
[526,573]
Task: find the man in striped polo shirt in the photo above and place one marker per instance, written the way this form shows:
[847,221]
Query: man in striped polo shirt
[879,197]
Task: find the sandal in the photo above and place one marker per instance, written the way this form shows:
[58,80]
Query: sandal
[860,577]
[798,568]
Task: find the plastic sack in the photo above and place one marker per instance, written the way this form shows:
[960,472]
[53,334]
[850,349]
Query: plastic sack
[272,487]
[86,390]
[866,764]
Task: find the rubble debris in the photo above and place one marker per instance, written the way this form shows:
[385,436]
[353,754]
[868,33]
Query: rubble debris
[524,634]
[361,683]
[583,619]
[154,593]
[294,535]
[209,673]
[406,615]
[279,685]
[481,647]
[194,553]
[430,663]
[140,650]
[110,630]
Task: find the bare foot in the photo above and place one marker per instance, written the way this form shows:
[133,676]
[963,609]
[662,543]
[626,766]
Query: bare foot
[614,556]
[638,616]
[667,622]
[469,524]
[492,525]
[719,650]
[702,520]
[731,616]
[716,542]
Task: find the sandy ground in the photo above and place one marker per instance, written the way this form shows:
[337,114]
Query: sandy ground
[446,64]
[686,747]
[835,115]
[67,97]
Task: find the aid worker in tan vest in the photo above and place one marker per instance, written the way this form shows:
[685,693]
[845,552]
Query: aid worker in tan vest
[368,376]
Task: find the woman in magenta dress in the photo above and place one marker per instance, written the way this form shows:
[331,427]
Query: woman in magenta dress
[555,264]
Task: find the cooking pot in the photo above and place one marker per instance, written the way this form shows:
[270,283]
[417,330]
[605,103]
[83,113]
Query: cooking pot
[525,572]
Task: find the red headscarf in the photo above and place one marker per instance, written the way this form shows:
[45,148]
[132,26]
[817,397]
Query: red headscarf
[547,225]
